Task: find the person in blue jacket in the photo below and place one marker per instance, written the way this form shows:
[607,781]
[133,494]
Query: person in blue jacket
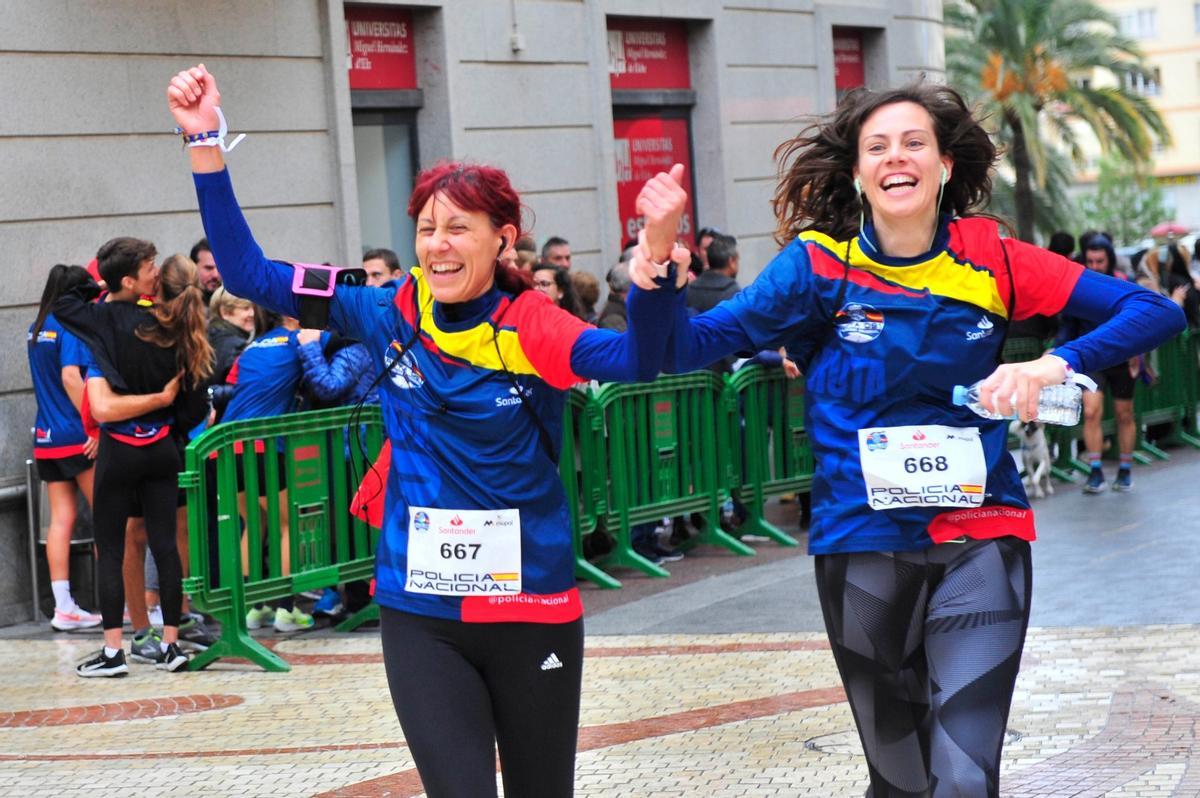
[892,287]
[266,377]
[481,618]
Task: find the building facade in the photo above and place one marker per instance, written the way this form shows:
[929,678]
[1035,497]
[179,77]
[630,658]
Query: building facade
[342,103]
[1168,32]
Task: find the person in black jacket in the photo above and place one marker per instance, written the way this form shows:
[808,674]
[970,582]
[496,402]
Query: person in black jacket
[139,347]
[718,282]
[230,328]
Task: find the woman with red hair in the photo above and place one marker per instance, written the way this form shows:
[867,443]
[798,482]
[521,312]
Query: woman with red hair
[481,619]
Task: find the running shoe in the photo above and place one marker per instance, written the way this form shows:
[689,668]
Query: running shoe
[101,665]
[1124,480]
[292,620]
[258,617]
[172,659]
[144,647]
[68,620]
[667,555]
[648,552]
[1096,482]
[194,634]
[329,604]
[155,614]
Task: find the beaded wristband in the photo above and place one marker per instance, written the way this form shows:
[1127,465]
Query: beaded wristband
[211,138]
[189,138]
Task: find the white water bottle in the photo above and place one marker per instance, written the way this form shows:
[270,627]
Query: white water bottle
[1057,404]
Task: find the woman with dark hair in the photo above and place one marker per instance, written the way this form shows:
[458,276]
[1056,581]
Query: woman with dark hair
[139,350]
[554,282]
[892,287]
[62,449]
[481,619]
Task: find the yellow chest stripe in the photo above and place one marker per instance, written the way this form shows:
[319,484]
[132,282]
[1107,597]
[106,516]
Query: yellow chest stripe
[941,275]
[475,345]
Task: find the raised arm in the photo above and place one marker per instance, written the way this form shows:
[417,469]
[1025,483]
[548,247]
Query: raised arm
[193,99]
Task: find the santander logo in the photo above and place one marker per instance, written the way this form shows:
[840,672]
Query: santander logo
[919,442]
[456,521]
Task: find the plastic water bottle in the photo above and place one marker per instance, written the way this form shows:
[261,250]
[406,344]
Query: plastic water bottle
[1057,404]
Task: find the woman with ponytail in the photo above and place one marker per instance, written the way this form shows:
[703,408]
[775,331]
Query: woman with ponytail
[482,622]
[143,353]
[62,449]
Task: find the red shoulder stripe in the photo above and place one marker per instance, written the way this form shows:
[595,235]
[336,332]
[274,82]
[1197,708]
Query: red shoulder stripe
[827,265]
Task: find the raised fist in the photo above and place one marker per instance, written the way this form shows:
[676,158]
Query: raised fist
[193,98]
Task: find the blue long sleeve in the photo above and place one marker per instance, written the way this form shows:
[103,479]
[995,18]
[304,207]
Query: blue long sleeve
[329,380]
[249,274]
[245,271]
[1130,320]
[635,355]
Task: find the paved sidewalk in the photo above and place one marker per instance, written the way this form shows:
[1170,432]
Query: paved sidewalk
[1107,704]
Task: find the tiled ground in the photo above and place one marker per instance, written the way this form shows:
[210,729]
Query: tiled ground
[1101,711]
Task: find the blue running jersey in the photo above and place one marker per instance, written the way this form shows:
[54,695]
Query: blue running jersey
[58,430]
[883,342]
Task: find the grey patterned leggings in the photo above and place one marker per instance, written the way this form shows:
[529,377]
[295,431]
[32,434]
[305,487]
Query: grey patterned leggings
[928,645]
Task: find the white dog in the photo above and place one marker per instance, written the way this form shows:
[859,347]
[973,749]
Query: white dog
[1035,455]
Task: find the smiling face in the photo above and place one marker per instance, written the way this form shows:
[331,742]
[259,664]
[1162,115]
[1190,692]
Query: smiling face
[240,315]
[899,163]
[457,249]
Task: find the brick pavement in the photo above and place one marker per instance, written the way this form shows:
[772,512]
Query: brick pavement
[1098,712]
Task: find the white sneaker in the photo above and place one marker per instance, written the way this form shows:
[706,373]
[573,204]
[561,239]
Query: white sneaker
[292,620]
[68,620]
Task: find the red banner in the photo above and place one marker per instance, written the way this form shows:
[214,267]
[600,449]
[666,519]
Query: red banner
[379,48]
[648,54]
[644,148]
[848,69]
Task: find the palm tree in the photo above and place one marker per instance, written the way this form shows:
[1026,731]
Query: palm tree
[1017,59]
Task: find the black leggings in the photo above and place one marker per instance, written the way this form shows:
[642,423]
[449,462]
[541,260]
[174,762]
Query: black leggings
[463,689]
[928,645]
[128,477]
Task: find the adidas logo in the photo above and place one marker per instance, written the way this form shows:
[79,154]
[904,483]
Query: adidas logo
[551,662]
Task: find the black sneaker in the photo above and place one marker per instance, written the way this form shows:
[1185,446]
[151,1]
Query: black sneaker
[648,552]
[1124,480]
[172,659]
[1096,482]
[194,634]
[101,665]
[667,555]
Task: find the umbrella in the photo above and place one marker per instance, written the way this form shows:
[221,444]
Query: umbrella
[1166,229]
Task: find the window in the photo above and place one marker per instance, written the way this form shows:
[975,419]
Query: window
[1140,23]
[1196,17]
[1083,83]
[1148,85]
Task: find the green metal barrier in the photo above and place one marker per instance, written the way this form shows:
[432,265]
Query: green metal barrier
[768,452]
[581,467]
[322,466]
[662,462]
